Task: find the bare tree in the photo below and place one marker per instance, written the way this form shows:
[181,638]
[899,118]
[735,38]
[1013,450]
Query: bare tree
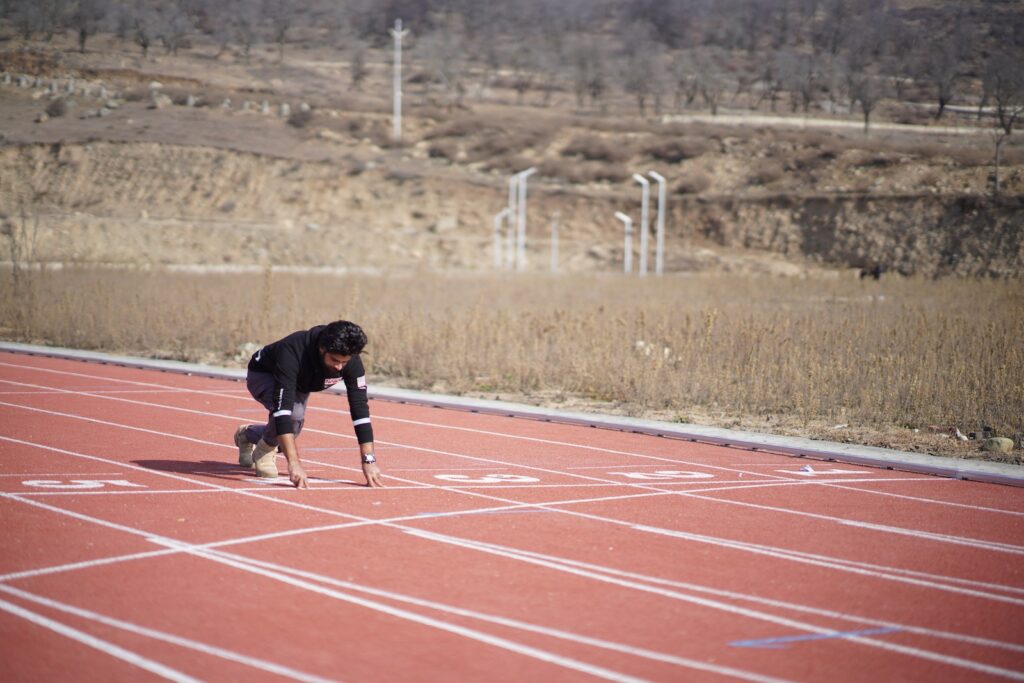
[866,87]
[144,25]
[175,26]
[711,79]
[1003,84]
[281,15]
[685,79]
[357,66]
[589,70]
[638,79]
[244,25]
[941,62]
[86,18]
[800,77]
[444,54]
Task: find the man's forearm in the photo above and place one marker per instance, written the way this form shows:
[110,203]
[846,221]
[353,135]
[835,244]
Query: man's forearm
[288,447]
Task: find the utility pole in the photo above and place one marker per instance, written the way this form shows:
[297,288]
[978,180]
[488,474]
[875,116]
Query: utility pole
[498,218]
[510,252]
[627,248]
[659,244]
[521,241]
[554,242]
[644,220]
[396,116]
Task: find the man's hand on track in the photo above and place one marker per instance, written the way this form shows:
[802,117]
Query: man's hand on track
[372,474]
[297,475]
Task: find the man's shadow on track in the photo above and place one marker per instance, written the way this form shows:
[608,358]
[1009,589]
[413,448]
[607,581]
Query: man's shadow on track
[210,469]
[216,469]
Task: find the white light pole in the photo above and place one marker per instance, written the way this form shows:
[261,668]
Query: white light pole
[644,220]
[498,218]
[510,252]
[659,244]
[554,242]
[521,241]
[627,249]
[396,116]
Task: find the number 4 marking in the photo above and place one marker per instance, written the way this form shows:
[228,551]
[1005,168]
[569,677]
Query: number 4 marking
[663,474]
[79,483]
[487,479]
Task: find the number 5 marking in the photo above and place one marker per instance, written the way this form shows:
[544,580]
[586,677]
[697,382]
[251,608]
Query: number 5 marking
[79,483]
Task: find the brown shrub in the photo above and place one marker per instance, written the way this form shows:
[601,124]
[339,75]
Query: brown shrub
[582,172]
[692,182]
[443,149]
[458,128]
[765,172]
[56,108]
[594,148]
[300,119]
[676,150]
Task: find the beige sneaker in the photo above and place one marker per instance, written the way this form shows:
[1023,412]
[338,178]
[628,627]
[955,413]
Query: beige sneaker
[245,448]
[265,460]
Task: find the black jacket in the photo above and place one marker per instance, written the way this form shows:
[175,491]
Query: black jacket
[298,368]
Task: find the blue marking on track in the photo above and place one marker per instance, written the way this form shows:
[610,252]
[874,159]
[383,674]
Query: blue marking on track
[780,643]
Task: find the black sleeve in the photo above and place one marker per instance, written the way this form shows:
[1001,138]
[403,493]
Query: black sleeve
[355,383]
[286,373]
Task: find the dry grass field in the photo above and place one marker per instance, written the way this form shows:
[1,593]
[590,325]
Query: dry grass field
[898,362]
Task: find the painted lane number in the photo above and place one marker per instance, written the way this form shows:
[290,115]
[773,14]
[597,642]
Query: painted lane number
[487,479]
[663,474]
[80,483]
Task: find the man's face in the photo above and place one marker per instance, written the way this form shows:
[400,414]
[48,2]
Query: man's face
[334,361]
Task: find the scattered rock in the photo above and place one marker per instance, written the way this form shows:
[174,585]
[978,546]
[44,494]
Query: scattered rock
[155,85]
[43,117]
[997,444]
[190,101]
[159,101]
[284,110]
[226,104]
[303,107]
[265,107]
[445,224]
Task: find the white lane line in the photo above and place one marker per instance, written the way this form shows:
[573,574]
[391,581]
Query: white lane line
[356,486]
[479,636]
[977,543]
[887,573]
[81,475]
[542,655]
[935,585]
[501,621]
[715,604]
[747,597]
[163,636]
[412,530]
[98,644]
[325,464]
[947,538]
[546,441]
[919,499]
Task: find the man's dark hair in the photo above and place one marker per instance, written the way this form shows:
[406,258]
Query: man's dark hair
[343,338]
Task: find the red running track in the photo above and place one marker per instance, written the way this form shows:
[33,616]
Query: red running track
[134,548]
